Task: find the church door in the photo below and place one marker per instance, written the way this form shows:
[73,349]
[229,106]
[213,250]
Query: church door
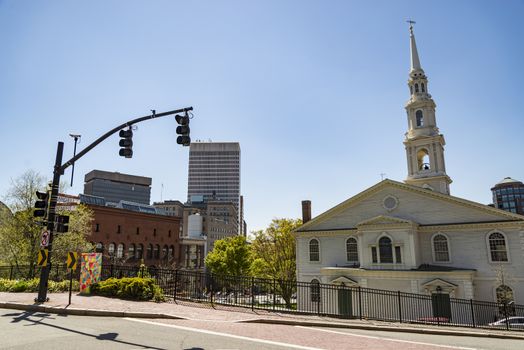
[441,306]
[345,302]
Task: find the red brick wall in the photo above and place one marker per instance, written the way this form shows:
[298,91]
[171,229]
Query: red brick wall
[152,229]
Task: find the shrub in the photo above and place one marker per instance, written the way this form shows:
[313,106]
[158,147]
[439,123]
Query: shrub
[32,285]
[133,288]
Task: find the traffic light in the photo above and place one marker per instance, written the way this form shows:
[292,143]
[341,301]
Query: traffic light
[62,223]
[126,143]
[41,204]
[183,130]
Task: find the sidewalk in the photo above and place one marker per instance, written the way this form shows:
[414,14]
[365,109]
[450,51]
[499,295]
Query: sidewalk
[101,306]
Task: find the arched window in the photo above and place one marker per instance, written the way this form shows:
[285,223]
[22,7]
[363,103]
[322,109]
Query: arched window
[131,251]
[416,87]
[423,159]
[411,89]
[420,118]
[497,247]
[120,250]
[314,250]
[99,247]
[149,252]
[385,249]
[139,250]
[441,248]
[164,252]
[352,249]
[156,251]
[423,87]
[314,290]
[111,249]
[170,251]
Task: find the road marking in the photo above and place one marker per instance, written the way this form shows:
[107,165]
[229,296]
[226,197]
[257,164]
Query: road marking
[224,334]
[389,339]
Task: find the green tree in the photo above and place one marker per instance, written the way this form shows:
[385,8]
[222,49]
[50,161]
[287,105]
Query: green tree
[274,255]
[230,256]
[20,232]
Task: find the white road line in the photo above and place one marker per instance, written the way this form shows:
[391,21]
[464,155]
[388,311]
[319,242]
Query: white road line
[389,339]
[293,346]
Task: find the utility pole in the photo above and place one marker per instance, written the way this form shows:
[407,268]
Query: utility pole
[59,169]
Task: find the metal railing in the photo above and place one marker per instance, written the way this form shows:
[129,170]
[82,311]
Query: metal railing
[314,299]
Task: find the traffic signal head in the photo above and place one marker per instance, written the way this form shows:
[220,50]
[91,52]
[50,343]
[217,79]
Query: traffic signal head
[126,143]
[62,223]
[183,130]
[41,204]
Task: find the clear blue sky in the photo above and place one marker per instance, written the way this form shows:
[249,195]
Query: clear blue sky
[314,91]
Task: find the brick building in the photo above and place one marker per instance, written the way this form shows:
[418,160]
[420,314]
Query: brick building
[127,236]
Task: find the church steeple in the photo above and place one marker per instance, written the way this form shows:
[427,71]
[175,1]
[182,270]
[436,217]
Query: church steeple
[424,144]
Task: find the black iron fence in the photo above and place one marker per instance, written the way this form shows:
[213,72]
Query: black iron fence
[316,299]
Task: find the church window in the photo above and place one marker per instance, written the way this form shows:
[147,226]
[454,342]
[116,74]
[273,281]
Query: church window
[352,250]
[416,87]
[420,118]
[423,159]
[440,248]
[314,290]
[422,87]
[411,89]
[374,257]
[385,249]
[497,247]
[314,250]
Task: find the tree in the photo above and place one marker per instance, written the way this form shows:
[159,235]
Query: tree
[20,232]
[274,255]
[230,256]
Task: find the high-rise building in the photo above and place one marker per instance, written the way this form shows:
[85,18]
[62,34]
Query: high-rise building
[508,195]
[115,187]
[214,172]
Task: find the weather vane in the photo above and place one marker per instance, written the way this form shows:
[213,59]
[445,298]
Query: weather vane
[411,24]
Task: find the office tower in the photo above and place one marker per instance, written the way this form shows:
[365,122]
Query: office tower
[214,172]
[508,195]
[115,187]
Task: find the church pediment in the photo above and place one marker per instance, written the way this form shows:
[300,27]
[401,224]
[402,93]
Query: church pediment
[384,220]
[344,281]
[394,203]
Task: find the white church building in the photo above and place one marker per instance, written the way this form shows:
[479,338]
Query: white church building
[414,236]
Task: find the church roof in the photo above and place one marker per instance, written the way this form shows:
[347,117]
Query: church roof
[332,219]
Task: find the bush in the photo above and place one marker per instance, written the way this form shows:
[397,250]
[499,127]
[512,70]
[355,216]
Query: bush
[31,286]
[133,288]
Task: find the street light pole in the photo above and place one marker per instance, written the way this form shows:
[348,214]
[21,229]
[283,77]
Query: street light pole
[58,170]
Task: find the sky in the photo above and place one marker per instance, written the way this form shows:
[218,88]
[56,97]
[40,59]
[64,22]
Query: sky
[314,91]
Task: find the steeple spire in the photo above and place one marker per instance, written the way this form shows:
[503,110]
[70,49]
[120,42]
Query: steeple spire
[415,61]
[424,143]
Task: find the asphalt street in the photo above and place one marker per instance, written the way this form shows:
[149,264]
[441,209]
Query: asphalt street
[27,330]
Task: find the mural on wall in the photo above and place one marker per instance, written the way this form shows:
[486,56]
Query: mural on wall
[90,270]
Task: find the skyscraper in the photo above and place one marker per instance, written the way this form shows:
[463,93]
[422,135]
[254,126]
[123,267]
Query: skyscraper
[115,187]
[214,172]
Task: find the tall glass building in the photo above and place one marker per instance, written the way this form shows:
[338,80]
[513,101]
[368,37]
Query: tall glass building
[508,195]
[214,172]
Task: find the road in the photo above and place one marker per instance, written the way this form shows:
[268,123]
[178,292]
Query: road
[27,330]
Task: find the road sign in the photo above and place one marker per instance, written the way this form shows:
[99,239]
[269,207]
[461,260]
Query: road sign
[43,255]
[72,258]
[44,241]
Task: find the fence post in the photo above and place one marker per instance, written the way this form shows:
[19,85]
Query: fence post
[176,285]
[472,312]
[360,302]
[506,314]
[399,307]
[252,293]
[274,293]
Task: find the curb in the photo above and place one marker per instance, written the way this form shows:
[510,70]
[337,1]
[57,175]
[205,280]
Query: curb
[85,312]
[464,333]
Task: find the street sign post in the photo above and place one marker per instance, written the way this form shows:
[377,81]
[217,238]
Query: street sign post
[72,258]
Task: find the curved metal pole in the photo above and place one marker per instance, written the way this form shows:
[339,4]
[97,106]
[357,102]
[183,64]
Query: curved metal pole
[112,131]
